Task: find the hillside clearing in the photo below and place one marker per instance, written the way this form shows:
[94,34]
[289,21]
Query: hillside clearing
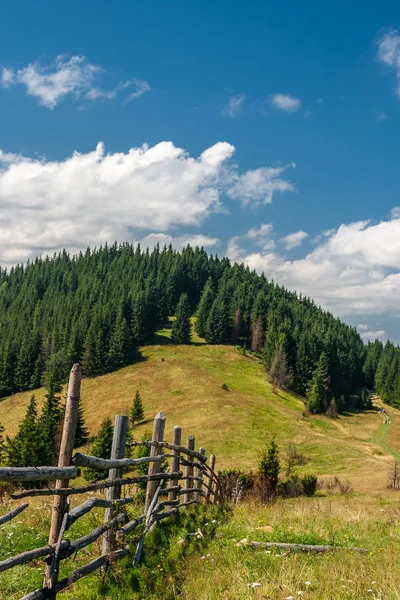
[185,383]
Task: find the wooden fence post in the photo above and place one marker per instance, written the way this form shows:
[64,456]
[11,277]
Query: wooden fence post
[177,440]
[154,467]
[113,493]
[199,473]
[189,468]
[64,460]
[210,481]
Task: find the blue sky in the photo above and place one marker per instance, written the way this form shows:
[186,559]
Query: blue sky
[262,121]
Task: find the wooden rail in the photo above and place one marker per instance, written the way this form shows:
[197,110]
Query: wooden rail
[186,480]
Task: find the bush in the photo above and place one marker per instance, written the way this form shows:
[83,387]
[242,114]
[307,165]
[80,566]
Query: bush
[225,387]
[309,483]
[290,488]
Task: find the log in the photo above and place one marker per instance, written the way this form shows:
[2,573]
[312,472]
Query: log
[87,506]
[95,486]
[154,467]
[37,473]
[13,513]
[182,449]
[86,460]
[45,593]
[168,490]
[173,484]
[114,493]
[189,467]
[304,547]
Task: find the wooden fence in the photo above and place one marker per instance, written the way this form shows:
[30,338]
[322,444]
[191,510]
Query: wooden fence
[190,478]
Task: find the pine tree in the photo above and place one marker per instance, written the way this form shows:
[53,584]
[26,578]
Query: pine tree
[204,307]
[279,371]
[137,410]
[101,448]
[318,390]
[181,328]
[257,336]
[82,432]
[218,322]
[268,470]
[50,423]
[24,449]
[122,348]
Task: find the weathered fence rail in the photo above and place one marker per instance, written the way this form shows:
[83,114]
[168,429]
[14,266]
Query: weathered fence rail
[189,478]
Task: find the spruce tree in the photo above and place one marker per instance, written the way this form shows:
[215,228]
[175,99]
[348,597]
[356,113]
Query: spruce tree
[50,423]
[24,449]
[218,322]
[101,448]
[137,410]
[82,432]
[318,390]
[268,470]
[204,307]
[182,327]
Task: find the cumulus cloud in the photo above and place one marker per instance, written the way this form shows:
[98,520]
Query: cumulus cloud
[286,102]
[91,198]
[235,105]
[293,240]
[178,242]
[259,185]
[389,53]
[73,76]
[354,271]
[369,336]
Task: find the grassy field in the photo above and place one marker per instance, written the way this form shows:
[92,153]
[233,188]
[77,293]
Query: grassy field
[185,382]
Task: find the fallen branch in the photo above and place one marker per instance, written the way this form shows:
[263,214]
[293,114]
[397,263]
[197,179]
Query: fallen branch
[304,547]
[37,473]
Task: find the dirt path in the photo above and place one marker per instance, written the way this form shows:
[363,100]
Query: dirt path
[383,429]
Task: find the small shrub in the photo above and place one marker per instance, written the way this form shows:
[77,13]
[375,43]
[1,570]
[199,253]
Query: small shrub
[225,387]
[291,487]
[394,477]
[309,483]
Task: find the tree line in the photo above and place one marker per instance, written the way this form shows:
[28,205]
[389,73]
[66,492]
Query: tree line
[100,306]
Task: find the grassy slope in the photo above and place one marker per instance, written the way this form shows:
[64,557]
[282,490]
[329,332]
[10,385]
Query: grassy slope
[185,383]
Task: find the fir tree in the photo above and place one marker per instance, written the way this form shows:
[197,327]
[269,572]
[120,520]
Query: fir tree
[181,328]
[268,470]
[101,448]
[218,322]
[203,310]
[137,410]
[50,423]
[82,432]
[24,449]
[318,391]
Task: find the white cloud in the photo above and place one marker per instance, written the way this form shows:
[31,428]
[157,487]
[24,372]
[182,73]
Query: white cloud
[235,105]
[354,271]
[395,213]
[362,327]
[286,102]
[389,53]
[74,76]
[294,239]
[259,185]
[373,335]
[178,242]
[91,198]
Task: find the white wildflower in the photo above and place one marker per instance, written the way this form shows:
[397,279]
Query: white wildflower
[255,585]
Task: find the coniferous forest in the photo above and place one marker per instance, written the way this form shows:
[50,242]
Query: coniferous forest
[100,306]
